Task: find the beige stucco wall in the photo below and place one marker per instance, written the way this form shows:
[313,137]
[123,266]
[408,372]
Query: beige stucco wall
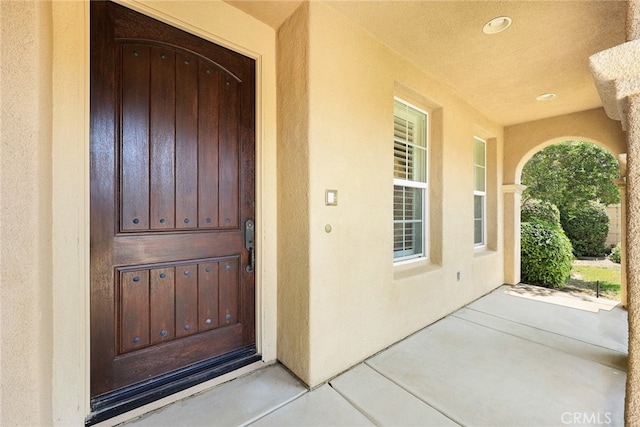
[26,215]
[44,229]
[358,302]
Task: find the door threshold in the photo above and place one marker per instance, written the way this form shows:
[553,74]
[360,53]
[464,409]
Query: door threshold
[117,402]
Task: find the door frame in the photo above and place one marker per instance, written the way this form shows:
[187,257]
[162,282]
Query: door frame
[220,24]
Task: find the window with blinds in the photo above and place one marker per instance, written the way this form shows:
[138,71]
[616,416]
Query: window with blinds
[479,191]
[410,181]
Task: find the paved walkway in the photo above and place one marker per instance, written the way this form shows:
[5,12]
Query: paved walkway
[520,356]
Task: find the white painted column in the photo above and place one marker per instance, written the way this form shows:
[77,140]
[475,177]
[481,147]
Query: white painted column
[512,199]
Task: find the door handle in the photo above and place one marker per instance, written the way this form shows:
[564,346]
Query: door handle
[249,244]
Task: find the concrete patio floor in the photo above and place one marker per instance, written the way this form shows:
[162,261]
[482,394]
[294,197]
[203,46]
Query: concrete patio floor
[519,356]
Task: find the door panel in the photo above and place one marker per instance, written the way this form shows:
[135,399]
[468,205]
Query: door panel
[134,310]
[208,309]
[172,185]
[134,159]
[162,305]
[162,102]
[188,99]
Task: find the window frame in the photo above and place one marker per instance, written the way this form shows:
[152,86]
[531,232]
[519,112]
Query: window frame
[480,193]
[422,186]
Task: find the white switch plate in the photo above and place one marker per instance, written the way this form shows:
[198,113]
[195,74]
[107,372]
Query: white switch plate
[331,197]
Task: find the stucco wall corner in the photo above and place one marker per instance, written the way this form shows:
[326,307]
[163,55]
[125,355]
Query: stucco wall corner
[616,72]
[293,338]
[633,20]
[632,407]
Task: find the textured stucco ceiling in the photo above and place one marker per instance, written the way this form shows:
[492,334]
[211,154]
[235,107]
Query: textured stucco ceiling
[546,49]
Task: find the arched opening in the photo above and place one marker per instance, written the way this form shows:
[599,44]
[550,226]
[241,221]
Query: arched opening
[522,141]
[541,146]
[578,176]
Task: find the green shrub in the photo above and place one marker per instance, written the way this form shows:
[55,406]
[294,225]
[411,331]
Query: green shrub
[540,210]
[615,254]
[546,255]
[587,228]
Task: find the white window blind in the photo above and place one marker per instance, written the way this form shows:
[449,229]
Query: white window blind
[410,181]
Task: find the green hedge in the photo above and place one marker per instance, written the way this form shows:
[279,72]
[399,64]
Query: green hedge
[539,210]
[546,255]
[587,228]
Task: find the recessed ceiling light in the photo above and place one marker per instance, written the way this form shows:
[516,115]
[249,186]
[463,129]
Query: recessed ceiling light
[546,97]
[497,25]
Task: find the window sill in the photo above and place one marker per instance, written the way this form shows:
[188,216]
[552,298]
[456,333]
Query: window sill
[410,261]
[413,267]
[483,251]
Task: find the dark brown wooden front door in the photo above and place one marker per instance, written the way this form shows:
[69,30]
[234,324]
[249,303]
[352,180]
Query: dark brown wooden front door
[172,188]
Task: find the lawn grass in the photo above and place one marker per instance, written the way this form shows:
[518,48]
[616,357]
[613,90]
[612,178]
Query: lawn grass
[585,277]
